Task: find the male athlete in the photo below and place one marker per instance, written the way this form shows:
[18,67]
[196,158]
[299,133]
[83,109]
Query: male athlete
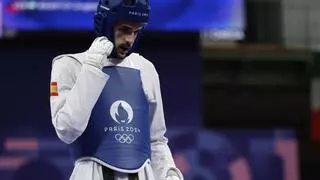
[106,102]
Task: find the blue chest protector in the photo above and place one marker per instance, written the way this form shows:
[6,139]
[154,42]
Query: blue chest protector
[118,131]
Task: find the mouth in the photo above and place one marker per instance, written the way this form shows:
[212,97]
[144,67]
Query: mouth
[123,50]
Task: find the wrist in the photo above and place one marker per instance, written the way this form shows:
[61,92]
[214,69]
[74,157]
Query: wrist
[94,64]
[94,60]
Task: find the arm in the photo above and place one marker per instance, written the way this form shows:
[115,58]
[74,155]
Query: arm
[161,157]
[78,87]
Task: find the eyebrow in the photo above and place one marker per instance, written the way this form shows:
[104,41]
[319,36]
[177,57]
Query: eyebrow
[129,27]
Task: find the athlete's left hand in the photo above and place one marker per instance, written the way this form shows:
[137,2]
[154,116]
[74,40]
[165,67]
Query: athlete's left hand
[174,174]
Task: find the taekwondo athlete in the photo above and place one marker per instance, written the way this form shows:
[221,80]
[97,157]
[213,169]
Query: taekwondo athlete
[106,102]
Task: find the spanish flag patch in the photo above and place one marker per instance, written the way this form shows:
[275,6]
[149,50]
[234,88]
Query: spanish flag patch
[53,89]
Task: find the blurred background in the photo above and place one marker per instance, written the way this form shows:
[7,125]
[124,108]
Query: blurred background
[239,80]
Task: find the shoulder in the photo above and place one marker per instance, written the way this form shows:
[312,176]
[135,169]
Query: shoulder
[67,65]
[145,64]
[149,75]
[69,59]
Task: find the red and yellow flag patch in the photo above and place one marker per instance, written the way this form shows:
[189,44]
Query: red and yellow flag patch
[54,89]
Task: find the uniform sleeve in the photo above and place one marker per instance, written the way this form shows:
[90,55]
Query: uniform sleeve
[161,156]
[77,90]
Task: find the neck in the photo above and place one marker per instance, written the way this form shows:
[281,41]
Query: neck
[116,60]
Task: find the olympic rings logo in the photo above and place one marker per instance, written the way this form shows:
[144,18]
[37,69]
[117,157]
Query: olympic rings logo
[124,138]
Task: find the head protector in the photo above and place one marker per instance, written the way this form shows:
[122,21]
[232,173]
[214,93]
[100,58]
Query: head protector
[109,12]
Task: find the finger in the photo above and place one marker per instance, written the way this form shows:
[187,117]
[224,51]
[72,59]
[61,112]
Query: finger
[109,48]
[97,39]
[103,39]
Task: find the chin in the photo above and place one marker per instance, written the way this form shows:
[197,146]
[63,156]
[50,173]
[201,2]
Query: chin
[122,56]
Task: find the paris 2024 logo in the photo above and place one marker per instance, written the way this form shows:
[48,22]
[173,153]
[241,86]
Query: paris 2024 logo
[123,129]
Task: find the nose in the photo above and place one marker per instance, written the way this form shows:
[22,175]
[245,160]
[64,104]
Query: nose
[130,38]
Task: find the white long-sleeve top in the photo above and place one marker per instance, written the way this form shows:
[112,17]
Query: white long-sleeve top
[78,88]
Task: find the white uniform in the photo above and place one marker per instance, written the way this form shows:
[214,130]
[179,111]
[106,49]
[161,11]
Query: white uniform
[79,86]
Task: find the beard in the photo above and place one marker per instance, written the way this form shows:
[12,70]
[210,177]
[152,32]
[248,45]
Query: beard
[123,50]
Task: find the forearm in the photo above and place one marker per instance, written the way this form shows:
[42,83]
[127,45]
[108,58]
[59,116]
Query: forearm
[161,155]
[72,108]
[161,158]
